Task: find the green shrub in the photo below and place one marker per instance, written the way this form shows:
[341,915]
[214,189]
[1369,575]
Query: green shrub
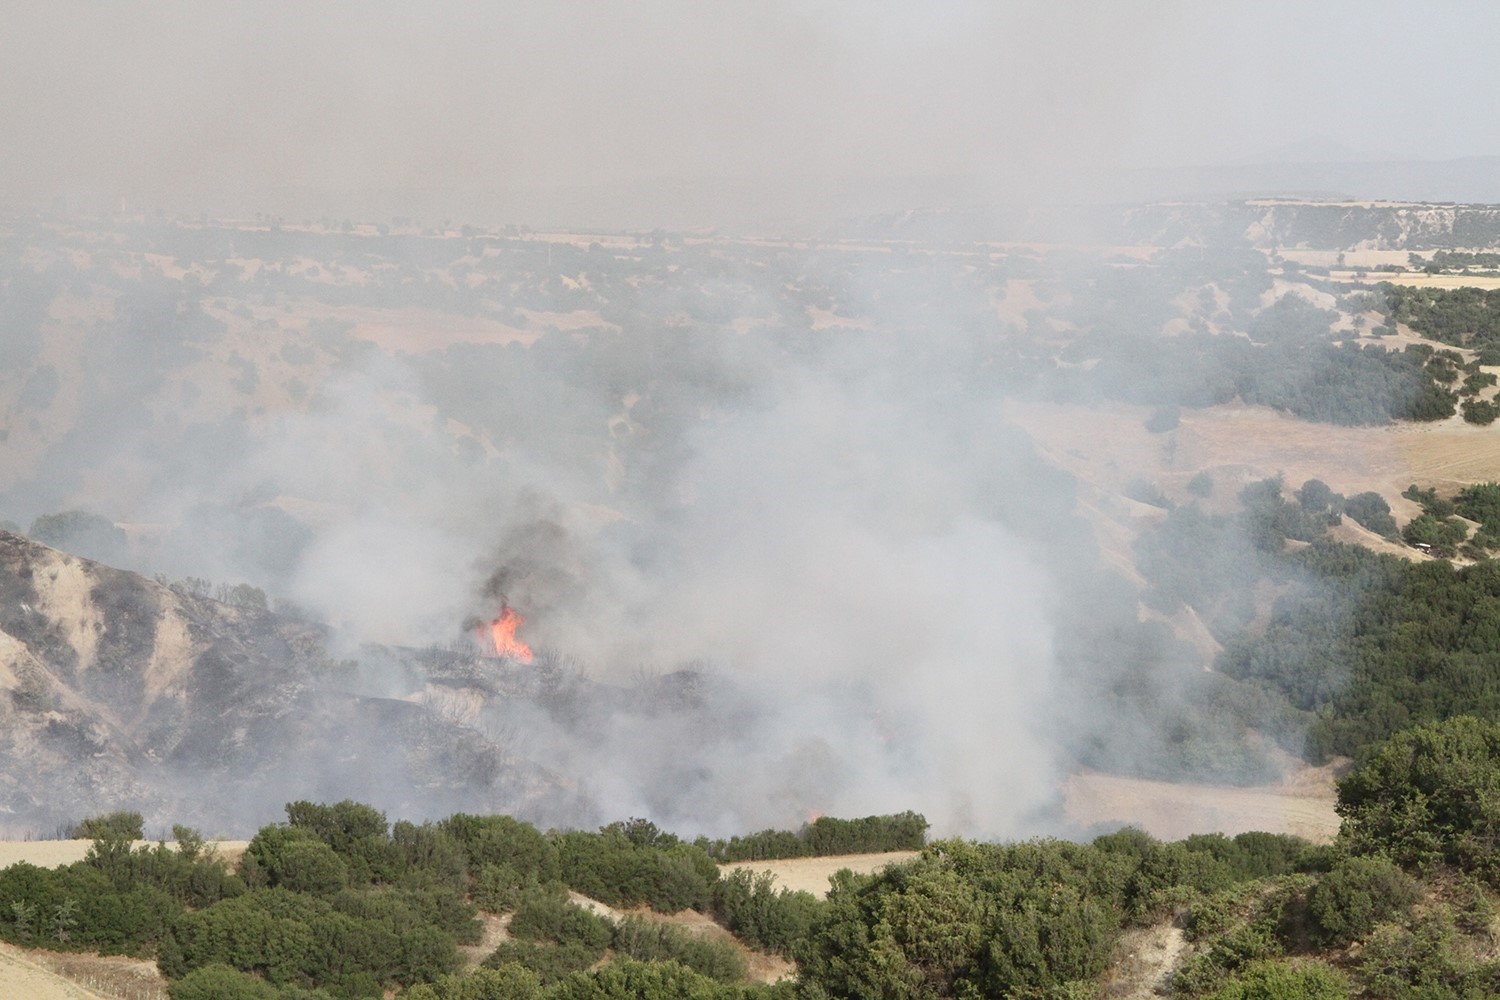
[220,982]
[631,980]
[752,907]
[546,914]
[1426,960]
[1165,871]
[652,941]
[498,888]
[510,981]
[120,825]
[548,962]
[1428,795]
[501,840]
[1283,981]
[1347,903]
[311,866]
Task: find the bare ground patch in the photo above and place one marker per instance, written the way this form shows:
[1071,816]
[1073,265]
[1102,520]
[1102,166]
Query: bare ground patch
[1144,962]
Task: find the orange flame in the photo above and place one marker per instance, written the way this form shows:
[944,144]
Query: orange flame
[503,632]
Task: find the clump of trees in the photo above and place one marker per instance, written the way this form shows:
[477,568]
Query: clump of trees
[826,836]
[1463,317]
[83,533]
[337,903]
[1289,358]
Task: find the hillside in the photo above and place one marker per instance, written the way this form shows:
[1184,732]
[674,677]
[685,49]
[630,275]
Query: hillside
[778,501]
[122,692]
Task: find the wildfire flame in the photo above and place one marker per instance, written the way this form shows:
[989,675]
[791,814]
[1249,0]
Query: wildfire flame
[503,633]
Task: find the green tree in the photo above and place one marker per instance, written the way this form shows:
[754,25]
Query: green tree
[1357,894]
[311,866]
[1428,795]
[25,918]
[631,980]
[122,825]
[1371,510]
[1315,496]
[64,919]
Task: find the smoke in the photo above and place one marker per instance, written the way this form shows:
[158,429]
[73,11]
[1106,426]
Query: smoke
[672,114]
[780,541]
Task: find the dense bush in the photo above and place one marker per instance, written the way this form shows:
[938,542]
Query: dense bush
[1267,980]
[501,840]
[220,982]
[650,941]
[1294,368]
[291,938]
[117,900]
[966,919]
[549,963]
[631,980]
[1464,317]
[1372,644]
[1429,795]
[628,864]
[1357,894]
[1255,854]
[755,909]
[121,825]
[1165,870]
[1371,510]
[826,836]
[504,982]
[546,914]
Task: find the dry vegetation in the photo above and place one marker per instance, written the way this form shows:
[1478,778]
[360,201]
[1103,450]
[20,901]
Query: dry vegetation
[51,853]
[812,874]
[1301,804]
[24,978]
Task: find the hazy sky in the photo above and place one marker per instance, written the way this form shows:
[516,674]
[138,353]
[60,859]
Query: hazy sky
[288,106]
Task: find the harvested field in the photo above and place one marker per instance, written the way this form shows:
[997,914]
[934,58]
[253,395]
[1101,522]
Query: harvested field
[20,976]
[1419,279]
[812,874]
[1302,804]
[51,853]
[111,976]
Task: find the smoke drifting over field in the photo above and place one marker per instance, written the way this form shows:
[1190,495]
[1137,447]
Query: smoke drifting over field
[779,546]
[831,528]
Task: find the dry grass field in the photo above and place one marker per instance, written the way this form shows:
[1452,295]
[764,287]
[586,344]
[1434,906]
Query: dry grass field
[1302,804]
[51,853]
[24,979]
[1419,279]
[812,874]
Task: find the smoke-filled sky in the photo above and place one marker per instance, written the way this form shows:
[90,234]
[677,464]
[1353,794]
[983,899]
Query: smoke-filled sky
[544,112]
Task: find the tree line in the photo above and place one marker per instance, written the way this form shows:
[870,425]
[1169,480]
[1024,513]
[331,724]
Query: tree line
[337,903]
